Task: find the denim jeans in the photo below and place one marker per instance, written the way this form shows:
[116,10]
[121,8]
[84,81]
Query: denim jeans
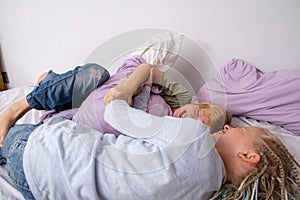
[67,90]
[12,155]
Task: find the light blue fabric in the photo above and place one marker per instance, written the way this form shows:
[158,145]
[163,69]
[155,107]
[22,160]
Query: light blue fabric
[65,160]
[12,155]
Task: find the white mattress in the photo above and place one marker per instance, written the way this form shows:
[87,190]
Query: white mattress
[8,192]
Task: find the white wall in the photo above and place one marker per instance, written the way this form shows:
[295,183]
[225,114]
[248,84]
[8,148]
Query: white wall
[36,35]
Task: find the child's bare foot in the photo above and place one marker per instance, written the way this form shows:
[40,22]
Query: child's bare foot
[11,116]
[41,77]
[120,91]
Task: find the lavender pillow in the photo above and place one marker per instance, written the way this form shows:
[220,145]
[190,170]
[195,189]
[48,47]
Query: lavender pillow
[247,91]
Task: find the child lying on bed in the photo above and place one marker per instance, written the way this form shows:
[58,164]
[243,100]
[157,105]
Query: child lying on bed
[62,92]
[256,163]
[162,99]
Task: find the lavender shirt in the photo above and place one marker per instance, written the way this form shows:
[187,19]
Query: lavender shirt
[91,112]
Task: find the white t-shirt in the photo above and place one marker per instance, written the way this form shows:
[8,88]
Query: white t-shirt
[158,158]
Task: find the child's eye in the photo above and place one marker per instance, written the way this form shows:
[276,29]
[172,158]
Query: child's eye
[198,113]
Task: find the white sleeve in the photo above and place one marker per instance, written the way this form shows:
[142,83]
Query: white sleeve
[132,122]
[160,131]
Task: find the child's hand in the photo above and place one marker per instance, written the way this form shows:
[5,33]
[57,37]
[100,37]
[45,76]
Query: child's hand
[123,92]
[120,92]
[149,81]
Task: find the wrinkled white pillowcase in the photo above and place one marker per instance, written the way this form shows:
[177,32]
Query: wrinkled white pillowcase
[162,49]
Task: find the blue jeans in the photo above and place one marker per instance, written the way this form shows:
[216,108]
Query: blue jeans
[67,90]
[12,155]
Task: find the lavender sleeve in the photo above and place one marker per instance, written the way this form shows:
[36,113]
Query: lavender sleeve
[142,99]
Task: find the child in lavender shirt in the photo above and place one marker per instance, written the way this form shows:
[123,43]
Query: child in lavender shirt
[161,99]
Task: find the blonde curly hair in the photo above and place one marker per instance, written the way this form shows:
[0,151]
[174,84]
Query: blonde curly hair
[276,176]
[218,115]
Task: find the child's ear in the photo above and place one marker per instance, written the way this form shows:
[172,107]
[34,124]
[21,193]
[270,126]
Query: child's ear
[250,157]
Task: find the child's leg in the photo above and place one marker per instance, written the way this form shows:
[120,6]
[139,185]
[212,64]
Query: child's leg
[11,116]
[60,92]
[15,111]
[68,90]
[41,77]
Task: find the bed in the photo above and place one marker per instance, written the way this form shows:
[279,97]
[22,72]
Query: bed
[170,51]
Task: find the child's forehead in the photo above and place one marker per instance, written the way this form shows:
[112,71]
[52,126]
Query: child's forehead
[205,112]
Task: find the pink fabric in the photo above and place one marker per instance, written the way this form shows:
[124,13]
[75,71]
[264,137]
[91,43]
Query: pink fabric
[91,112]
[245,90]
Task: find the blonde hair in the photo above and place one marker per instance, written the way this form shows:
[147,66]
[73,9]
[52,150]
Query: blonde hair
[218,115]
[276,176]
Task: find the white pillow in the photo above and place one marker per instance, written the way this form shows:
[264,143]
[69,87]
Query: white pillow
[162,49]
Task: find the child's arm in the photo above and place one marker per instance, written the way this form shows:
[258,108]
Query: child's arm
[134,83]
[173,93]
[138,78]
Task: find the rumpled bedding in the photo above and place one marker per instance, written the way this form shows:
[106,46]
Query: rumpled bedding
[247,91]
